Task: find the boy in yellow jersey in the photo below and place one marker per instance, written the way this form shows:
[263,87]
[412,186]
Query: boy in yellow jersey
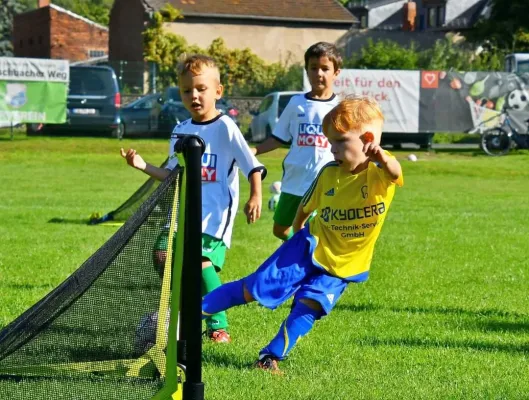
[352,196]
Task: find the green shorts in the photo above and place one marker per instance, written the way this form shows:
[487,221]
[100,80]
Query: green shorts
[286,209]
[212,248]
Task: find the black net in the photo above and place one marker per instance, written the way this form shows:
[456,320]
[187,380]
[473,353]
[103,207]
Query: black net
[91,337]
[131,205]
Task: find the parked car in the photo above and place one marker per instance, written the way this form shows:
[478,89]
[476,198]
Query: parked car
[172,114]
[141,117]
[94,102]
[265,119]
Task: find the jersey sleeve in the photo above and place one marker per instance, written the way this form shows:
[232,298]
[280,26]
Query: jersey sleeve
[311,199]
[244,157]
[282,129]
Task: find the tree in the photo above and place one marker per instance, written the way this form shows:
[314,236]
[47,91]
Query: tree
[8,9]
[507,27]
[164,48]
[95,10]
[385,54]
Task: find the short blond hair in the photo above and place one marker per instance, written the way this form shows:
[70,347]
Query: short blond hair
[196,64]
[351,113]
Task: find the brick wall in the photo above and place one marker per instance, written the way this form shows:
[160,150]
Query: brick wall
[73,38]
[50,33]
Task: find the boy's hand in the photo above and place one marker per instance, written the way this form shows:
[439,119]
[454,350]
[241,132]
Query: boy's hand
[374,152]
[252,209]
[133,159]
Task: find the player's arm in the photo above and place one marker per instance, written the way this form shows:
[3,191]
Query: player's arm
[281,134]
[386,162]
[253,169]
[269,144]
[309,203]
[136,161]
[301,218]
[253,207]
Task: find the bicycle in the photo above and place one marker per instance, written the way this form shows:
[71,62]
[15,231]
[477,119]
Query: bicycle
[499,140]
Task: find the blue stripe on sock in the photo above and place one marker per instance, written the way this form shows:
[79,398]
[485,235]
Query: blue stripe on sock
[298,323]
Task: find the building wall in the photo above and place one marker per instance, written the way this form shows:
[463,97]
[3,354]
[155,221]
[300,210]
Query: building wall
[382,13]
[73,39]
[31,34]
[271,43]
[127,22]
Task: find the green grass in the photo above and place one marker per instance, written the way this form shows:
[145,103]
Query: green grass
[444,314]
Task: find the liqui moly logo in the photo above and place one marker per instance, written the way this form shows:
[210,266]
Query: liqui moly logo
[209,167]
[311,135]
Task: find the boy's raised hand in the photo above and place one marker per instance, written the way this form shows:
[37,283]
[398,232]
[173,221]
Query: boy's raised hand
[133,159]
[252,209]
[374,152]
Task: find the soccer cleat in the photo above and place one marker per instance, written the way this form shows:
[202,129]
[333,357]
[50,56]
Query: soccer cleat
[268,363]
[219,336]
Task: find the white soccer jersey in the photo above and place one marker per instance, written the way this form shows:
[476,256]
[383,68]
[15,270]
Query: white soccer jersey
[226,151]
[300,125]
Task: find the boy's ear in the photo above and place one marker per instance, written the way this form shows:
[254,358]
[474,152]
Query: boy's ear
[337,72]
[220,91]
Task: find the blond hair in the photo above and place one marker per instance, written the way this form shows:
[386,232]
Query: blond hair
[196,64]
[351,113]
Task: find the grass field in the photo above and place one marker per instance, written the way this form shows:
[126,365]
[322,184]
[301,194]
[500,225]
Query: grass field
[444,314]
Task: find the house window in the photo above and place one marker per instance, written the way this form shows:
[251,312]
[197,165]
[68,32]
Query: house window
[21,43]
[40,39]
[363,21]
[441,12]
[30,41]
[432,17]
[95,53]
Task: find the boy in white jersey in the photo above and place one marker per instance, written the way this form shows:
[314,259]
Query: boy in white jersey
[226,151]
[300,126]
[352,196]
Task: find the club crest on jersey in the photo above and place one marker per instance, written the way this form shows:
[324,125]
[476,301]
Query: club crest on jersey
[311,135]
[209,167]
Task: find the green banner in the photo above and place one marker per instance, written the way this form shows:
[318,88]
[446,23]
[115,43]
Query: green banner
[33,90]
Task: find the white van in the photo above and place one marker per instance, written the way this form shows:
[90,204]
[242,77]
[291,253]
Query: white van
[265,119]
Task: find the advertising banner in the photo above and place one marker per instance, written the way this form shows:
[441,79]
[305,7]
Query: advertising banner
[33,90]
[440,101]
[453,101]
[396,91]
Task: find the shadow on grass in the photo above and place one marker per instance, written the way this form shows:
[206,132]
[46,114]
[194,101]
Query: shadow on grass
[478,345]
[225,360]
[27,286]
[74,221]
[504,326]
[471,152]
[432,310]
[68,221]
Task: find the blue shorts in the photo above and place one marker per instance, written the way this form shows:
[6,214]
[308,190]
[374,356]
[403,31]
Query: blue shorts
[290,270]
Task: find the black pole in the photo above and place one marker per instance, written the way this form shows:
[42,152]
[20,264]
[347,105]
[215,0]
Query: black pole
[192,146]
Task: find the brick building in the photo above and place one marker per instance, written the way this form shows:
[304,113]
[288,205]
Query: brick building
[53,32]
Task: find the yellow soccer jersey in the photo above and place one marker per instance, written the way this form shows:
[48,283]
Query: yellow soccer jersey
[351,210]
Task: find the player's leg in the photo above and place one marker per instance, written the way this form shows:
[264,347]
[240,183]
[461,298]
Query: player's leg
[159,254]
[213,256]
[273,283]
[314,299]
[284,214]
